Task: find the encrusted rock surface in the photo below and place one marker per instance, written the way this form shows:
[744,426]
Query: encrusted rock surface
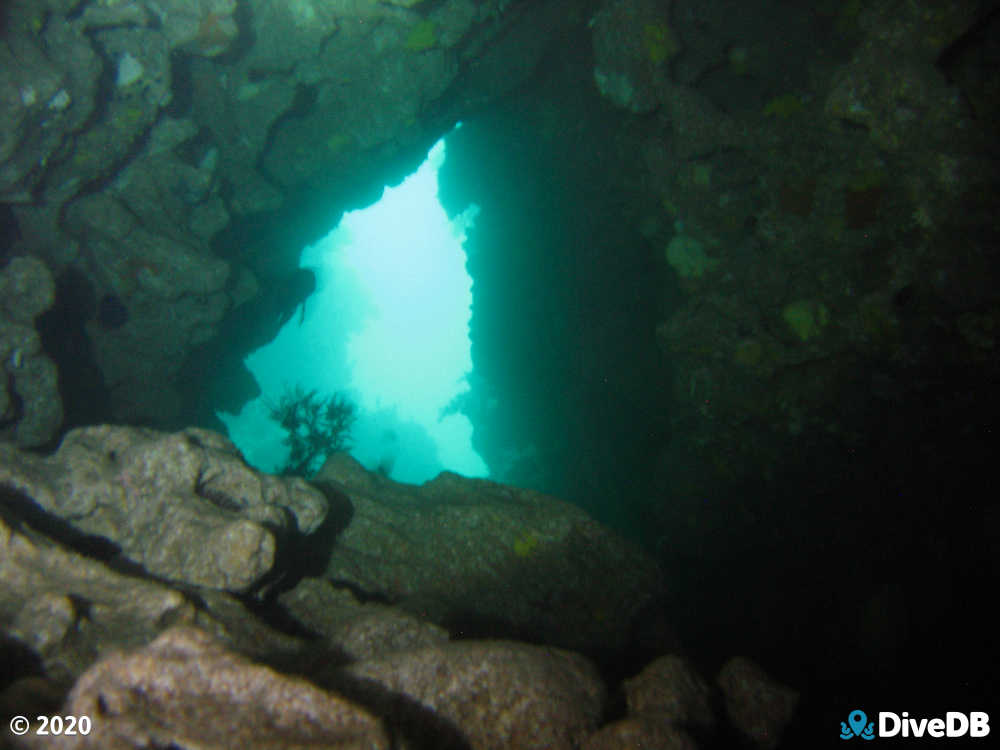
[458,550]
[670,690]
[184,506]
[185,690]
[500,694]
[357,630]
[757,705]
[69,609]
[169,659]
[639,732]
[271,97]
[30,406]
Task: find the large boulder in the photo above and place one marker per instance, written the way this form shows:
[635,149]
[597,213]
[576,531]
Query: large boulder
[499,695]
[186,690]
[184,506]
[482,557]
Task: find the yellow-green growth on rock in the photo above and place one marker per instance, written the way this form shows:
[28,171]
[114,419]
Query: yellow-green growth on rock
[660,42]
[422,37]
[806,318]
[783,106]
[686,255]
[337,142]
[526,544]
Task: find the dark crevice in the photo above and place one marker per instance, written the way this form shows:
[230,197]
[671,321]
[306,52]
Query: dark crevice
[65,340]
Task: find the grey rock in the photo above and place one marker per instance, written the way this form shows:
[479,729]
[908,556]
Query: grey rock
[184,506]
[199,27]
[502,695]
[69,609]
[172,286]
[26,289]
[84,87]
[128,112]
[286,33]
[357,631]
[458,548]
[624,70]
[238,105]
[48,84]
[30,406]
[895,74]
[127,13]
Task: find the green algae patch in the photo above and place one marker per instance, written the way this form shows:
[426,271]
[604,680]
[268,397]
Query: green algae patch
[422,37]
[806,318]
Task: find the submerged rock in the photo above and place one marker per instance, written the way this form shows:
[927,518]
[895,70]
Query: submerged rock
[184,506]
[67,609]
[113,551]
[186,690]
[30,406]
[482,558]
[498,694]
[758,706]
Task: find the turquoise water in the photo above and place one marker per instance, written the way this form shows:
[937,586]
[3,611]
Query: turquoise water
[389,327]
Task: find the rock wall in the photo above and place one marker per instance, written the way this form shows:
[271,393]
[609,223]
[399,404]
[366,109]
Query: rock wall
[139,139]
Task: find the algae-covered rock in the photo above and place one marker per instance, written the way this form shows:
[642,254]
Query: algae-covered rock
[687,256]
[806,318]
[632,43]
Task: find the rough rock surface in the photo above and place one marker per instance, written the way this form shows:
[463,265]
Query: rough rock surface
[186,690]
[260,100]
[140,241]
[632,46]
[69,609]
[48,78]
[356,630]
[64,603]
[639,732]
[499,694]
[669,690]
[30,407]
[473,553]
[895,72]
[757,706]
[184,506]
[70,605]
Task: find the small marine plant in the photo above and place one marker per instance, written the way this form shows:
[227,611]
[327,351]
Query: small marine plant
[316,427]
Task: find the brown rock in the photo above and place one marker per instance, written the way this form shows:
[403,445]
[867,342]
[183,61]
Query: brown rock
[637,732]
[186,690]
[757,705]
[497,694]
[670,691]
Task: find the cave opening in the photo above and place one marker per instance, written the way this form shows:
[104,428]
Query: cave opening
[387,328]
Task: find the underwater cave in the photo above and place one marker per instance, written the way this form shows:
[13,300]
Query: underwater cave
[647,329]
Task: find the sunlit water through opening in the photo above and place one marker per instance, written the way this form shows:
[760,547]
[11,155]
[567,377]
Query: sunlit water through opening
[388,326]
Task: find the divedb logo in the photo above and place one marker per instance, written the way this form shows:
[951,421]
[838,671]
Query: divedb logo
[954,724]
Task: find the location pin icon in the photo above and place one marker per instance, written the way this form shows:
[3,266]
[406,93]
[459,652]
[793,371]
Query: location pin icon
[857,720]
